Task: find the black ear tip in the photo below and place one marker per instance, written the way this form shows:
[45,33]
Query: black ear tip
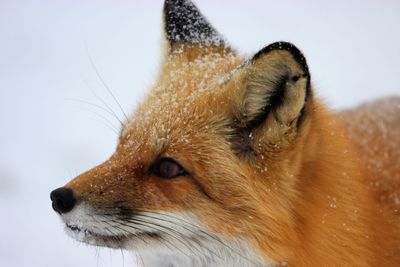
[184,22]
[170,3]
[291,48]
[174,5]
[175,2]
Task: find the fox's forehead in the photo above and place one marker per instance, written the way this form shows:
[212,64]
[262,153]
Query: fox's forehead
[193,77]
[185,96]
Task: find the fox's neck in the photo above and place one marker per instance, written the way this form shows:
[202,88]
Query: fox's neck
[331,207]
[217,254]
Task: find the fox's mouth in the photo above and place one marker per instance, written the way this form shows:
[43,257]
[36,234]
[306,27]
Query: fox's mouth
[112,241]
[76,229]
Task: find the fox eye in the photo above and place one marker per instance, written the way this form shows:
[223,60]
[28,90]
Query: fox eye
[167,168]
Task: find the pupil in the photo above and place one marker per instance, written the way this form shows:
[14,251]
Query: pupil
[168,169]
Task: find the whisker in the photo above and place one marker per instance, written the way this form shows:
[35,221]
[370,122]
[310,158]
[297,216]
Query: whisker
[181,240]
[103,82]
[106,121]
[99,98]
[107,110]
[159,230]
[203,232]
[141,259]
[97,256]
[189,227]
[166,243]
[184,227]
[200,245]
[124,230]
[123,257]
[113,235]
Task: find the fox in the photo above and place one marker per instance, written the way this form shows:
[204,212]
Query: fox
[233,160]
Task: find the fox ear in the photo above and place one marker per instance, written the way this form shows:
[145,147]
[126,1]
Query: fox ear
[185,25]
[273,90]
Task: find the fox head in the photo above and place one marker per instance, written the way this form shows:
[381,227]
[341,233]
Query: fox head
[208,165]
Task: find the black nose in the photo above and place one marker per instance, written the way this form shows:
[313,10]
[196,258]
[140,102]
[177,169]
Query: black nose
[63,200]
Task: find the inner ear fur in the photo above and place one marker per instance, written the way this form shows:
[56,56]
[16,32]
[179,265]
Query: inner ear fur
[273,91]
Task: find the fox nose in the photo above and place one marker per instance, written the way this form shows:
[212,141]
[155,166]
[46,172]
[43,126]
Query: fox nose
[63,200]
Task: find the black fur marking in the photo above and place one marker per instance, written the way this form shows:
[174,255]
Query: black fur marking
[296,53]
[241,141]
[121,211]
[307,100]
[184,23]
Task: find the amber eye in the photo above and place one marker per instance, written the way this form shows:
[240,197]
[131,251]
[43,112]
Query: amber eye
[167,168]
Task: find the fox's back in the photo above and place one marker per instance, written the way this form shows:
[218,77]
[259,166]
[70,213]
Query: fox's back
[375,129]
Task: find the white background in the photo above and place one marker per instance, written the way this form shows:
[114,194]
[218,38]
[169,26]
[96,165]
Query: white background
[352,47]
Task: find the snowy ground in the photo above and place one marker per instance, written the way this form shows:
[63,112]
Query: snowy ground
[46,138]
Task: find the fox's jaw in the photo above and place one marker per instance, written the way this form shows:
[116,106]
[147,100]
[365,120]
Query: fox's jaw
[206,169]
[161,238]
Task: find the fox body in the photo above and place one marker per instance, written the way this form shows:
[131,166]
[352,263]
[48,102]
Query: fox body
[232,161]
